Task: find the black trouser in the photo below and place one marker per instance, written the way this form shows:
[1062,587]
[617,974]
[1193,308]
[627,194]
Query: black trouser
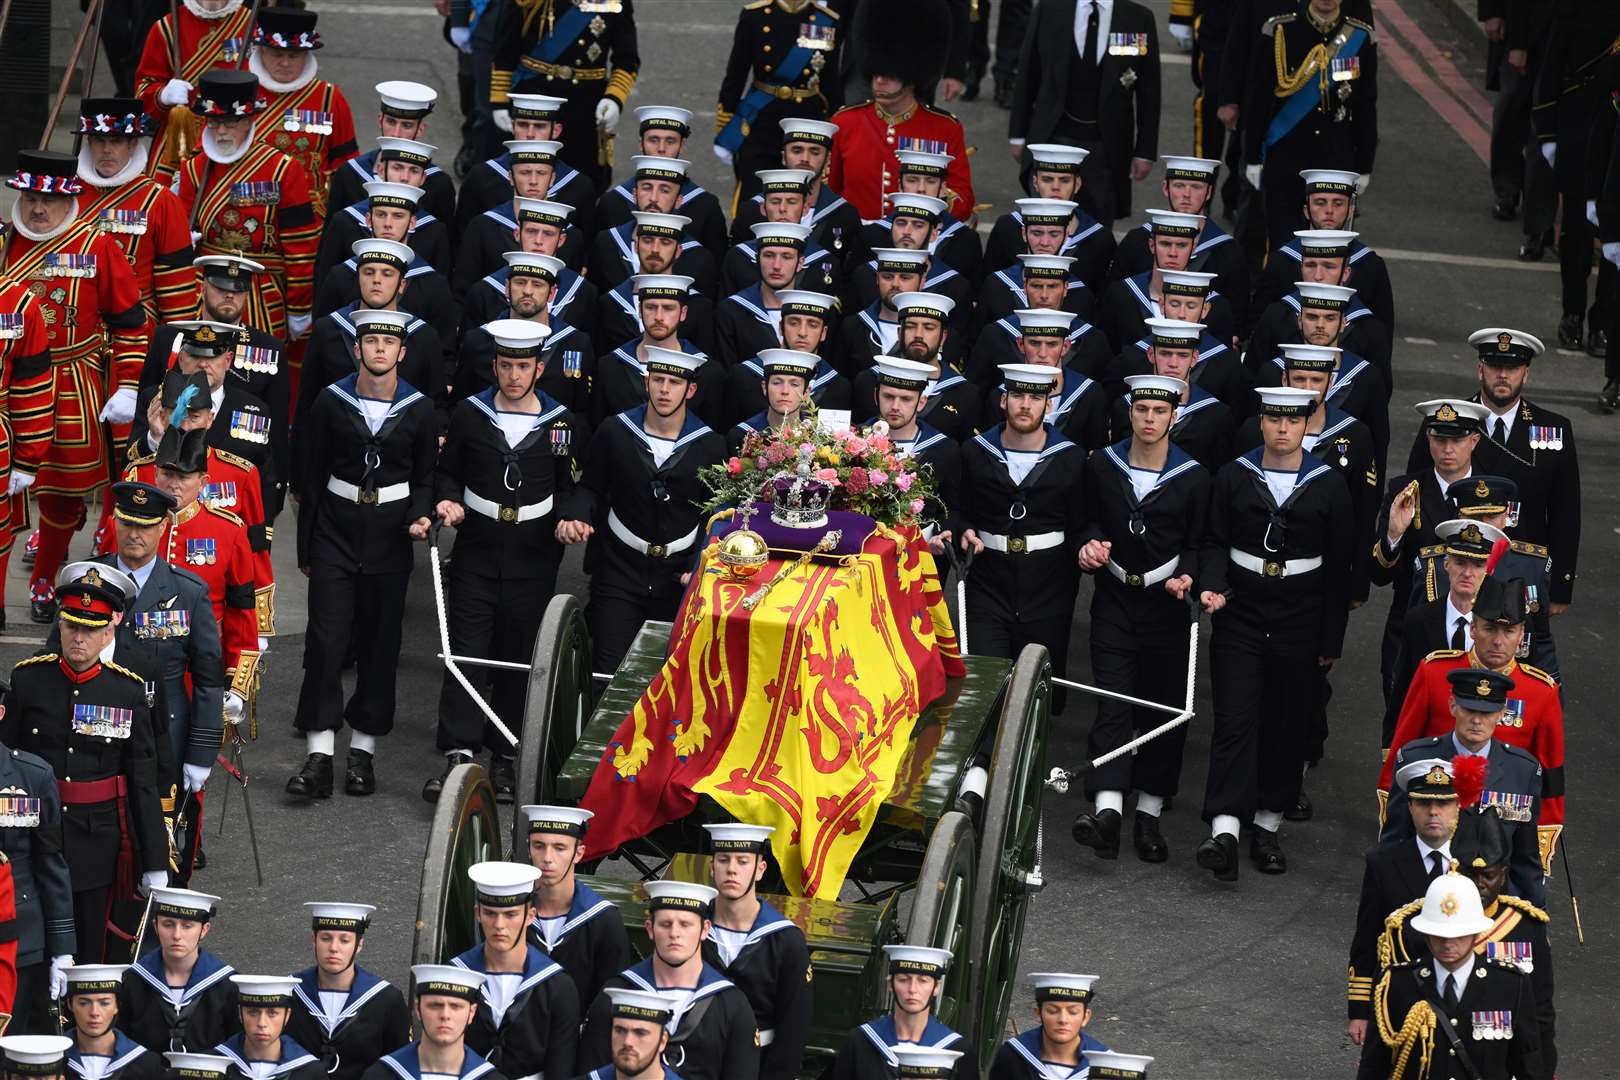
[1284,194]
[1266,680]
[1517,168]
[1096,196]
[1316,741]
[979,43]
[1575,232]
[123,34]
[1210,137]
[90,924]
[339,602]
[30,1011]
[1135,650]
[1012,21]
[1611,359]
[615,613]
[497,619]
[996,629]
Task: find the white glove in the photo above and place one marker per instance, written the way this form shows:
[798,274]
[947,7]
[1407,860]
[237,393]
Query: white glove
[461,38]
[235,707]
[298,326]
[264,646]
[1549,151]
[1611,251]
[59,966]
[120,408]
[1251,173]
[20,482]
[196,776]
[1363,181]
[723,154]
[503,120]
[1591,212]
[153,879]
[607,115]
[175,92]
[1183,36]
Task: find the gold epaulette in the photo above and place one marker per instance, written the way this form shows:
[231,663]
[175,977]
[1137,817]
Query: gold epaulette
[120,669]
[1390,937]
[1537,673]
[1520,904]
[1443,654]
[142,459]
[1431,551]
[1271,24]
[233,459]
[825,9]
[226,514]
[1361,25]
[42,658]
[1525,547]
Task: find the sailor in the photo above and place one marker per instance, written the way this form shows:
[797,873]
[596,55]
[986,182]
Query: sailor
[1483,1010]
[711,1034]
[1189,188]
[566,357]
[916,975]
[1058,1046]
[1126,304]
[99,1048]
[370,441]
[179,996]
[1201,424]
[875,330]
[902,395]
[640,1036]
[389,211]
[914,223]
[923,172]
[754,945]
[1035,283]
[447,999]
[1055,175]
[637,503]
[480,243]
[663,310]
[1281,600]
[529,1019]
[575,926]
[1146,503]
[341,1012]
[749,320]
[806,144]
[783,205]
[617,254]
[1078,406]
[506,461]
[1042,275]
[403,109]
[261,1050]
[927,1063]
[1330,204]
[923,337]
[30,1057]
[620,317]
[36,877]
[663,131]
[786,387]
[804,323]
[1185,296]
[541,229]
[534,117]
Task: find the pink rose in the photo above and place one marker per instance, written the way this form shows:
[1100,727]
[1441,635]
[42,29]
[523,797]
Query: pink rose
[878,477]
[734,466]
[916,506]
[827,476]
[777,453]
[879,443]
[855,445]
[904,481]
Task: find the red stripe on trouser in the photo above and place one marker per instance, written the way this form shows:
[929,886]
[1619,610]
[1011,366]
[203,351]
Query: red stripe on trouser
[60,516]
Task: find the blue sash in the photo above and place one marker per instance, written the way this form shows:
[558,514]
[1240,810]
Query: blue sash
[568,27]
[753,103]
[1300,103]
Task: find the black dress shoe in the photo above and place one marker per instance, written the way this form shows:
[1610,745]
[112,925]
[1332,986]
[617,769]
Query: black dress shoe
[1266,852]
[1099,832]
[359,777]
[1608,401]
[314,780]
[42,610]
[431,789]
[1532,249]
[1149,841]
[502,777]
[1219,854]
[1301,810]
[1003,97]
[1597,341]
[1569,332]
[1506,208]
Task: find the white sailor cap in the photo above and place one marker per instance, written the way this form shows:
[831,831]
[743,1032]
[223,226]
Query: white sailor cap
[804,129]
[1452,416]
[414,151]
[1325,243]
[272,991]
[924,1062]
[1190,168]
[902,260]
[1027,378]
[673,362]
[503,884]
[1174,223]
[533,151]
[378,321]
[1301,356]
[332,915]
[1044,322]
[406,100]
[632,1004]
[1061,985]
[544,212]
[1108,1065]
[1045,211]
[1149,388]
[373,249]
[566,820]
[926,305]
[664,116]
[447,980]
[517,338]
[656,224]
[902,374]
[1286,401]
[805,302]
[795,181]
[1502,346]
[109,575]
[383,193]
[923,161]
[1186,282]
[1046,266]
[532,264]
[667,286]
[1056,157]
[780,361]
[1339,181]
[680,895]
[921,959]
[95,978]
[38,1055]
[651,167]
[780,234]
[196,1066]
[1319,294]
[917,205]
[183,903]
[1174,333]
[734,836]
[534,106]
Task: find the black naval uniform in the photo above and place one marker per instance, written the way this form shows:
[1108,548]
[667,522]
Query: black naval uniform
[589,941]
[1216,252]
[95,731]
[373,1020]
[573,300]
[1002,293]
[1368,275]
[295,1062]
[406,1064]
[491,234]
[955,245]
[944,455]
[1088,243]
[489,187]
[1138,630]
[1218,369]
[618,203]
[861,291]
[714,1037]
[128,1061]
[360,491]
[1364,336]
[819,269]
[1397,567]
[569,360]
[828,389]
[349,182]
[1494,1021]
[621,384]
[1396,874]
[31,843]
[611,259]
[330,358]
[998,343]
[952,404]
[646,519]
[1203,427]
[243,425]
[743,326]
[618,320]
[430,239]
[1356,388]
[1022,587]
[428,293]
[834,223]
[205,1015]
[771,967]
[1127,304]
[865,1052]
[503,569]
[536,1033]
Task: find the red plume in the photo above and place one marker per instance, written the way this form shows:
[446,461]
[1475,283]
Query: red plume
[1468,777]
[1498,549]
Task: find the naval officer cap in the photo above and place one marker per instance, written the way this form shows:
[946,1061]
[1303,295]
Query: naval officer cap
[1480,689]
[183,904]
[135,503]
[918,959]
[532,264]
[1482,495]
[665,118]
[1109,1065]
[405,100]
[923,305]
[544,212]
[95,978]
[1427,780]
[902,374]
[923,162]
[196,1066]
[1028,378]
[900,260]
[535,106]
[804,129]
[662,286]
[265,991]
[1299,356]
[1186,283]
[1155,388]
[447,980]
[680,896]
[915,1062]
[1045,211]
[1286,401]
[108,575]
[397,196]
[228,273]
[804,302]
[35,1055]
[559,820]
[1451,418]
[373,321]
[1501,346]
[788,181]
[917,205]
[632,1004]
[410,151]
[332,915]
[1056,157]
[1174,223]
[1174,333]
[651,223]
[1325,243]
[1046,266]
[673,362]
[1044,322]
[1191,168]
[1469,539]
[1329,182]
[1061,985]
[503,884]
[734,836]
[517,339]
[650,167]
[206,338]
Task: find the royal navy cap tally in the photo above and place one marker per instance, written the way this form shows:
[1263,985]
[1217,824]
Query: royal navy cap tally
[666,286]
[405,100]
[1174,333]
[923,162]
[517,338]
[673,362]
[196,1066]
[1429,779]
[1325,243]
[648,167]
[564,820]
[1469,539]
[1482,495]
[791,181]
[532,264]
[1186,283]
[1056,157]
[533,151]
[328,915]
[503,884]
[1156,388]
[667,117]
[534,106]
[413,151]
[919,959]
[1044,322]
[375,321]
[135,503]
[95,978]
[1027,378]
[900,260]
[1319,294]
[804,129]
[780,234]
[544,212]
[232,273]
[107,575]
[35,1055]
[734,836]
[1060,985]
[1109,1065]
[1502,346]
[1174,223]
[447,980]
[805,302]
[1286,401]
[206,338]
[399,196]
[902,374]
[268,991]
[916,1062]
[1480,689]
[680,896]
[917,205]
[649,223]
[1190,168]
[1451,417]
[788,362]
[1329,181]
[1046,266]
[924,305]
[1045,211]
[632,1004]
[371,249]
[183,904]
[1298,356]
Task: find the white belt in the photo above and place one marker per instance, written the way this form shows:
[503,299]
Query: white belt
[345,490]
[1272,567]
[767,1037]
[1143,581]
[657,551]
[1020,545]
[509,515]
[533,1076]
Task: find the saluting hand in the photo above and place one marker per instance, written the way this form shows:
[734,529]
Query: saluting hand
[1094,554]
[1402,511]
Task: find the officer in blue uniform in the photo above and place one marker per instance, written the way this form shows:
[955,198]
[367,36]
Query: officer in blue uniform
[1058,1046]
[344,1014]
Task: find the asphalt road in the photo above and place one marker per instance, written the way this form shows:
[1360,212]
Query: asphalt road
[1217,981]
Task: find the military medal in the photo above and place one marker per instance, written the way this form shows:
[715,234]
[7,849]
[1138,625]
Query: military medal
[256,358]
[572,360]
[126,222]
[63,264]
[103,721]
[1346,68]
[1512,714]
[600,7]
[561,440]
[1518,953]
[1343,447]
[1493,1025]
[11,326]
[201,551]
[1127,45]
[18,809]
[221,495]
[253,427]
[232,51]
[594,52]
[255,193]
[815,36]
[1512,807]
[596,26]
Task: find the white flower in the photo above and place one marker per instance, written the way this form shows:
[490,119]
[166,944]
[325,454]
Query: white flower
[881,427]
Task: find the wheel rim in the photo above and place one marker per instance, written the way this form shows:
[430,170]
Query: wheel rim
[941,914]
[556,707]
[465,830]
[1007,850]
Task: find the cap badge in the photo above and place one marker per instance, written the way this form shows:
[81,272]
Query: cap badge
[1437,775]
[1504,341]
[205,335]
[93,578]
[1482,490]
[1484,688]
[85,600]
[138,497]
[1449,905]
[1472,535]
[1445,414]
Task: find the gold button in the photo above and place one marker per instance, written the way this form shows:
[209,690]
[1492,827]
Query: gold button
[767,47]
[70,749]
[765,29]
[36,731]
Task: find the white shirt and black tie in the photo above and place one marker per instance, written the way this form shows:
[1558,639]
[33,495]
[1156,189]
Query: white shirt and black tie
[1459,627]
[1090,45]
[1436,860]
[1501,424]
[1451,984]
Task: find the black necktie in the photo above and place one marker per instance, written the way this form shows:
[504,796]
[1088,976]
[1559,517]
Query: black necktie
[1091,35]
[1439,867]
[1499,431]
[1449,993]
[1459,640]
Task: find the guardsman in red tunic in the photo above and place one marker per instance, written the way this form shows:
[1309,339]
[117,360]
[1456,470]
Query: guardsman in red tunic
[97,334]
[142,215]
[252,200]
[305,117]
[25,410]
[211,34]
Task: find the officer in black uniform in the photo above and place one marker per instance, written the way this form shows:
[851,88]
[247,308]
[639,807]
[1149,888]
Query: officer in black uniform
[1023,503]
[1311,101]
[1276,576]
[923,337]
[403,109]
[1055,175]
[804,322]
[91,721]
[663,131]
[90,1007]
[366,491]
[1146,503]
[637,502]
[528,1020]
[836,225]
[179,996]
[915,976]
[567,357]
[31,842]
[342,1013]
[572,922]
[714,1037]
[506,461]
[1201,424]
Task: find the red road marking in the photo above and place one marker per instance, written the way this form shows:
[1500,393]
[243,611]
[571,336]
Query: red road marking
[1461,88]
[1468,128]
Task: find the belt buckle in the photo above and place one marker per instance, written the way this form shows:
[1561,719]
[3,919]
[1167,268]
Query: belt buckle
[368,497]
[1016,544]
[509,515]
[1273,568]
[1134,580]
[566,71]
[784,93]
[657,551]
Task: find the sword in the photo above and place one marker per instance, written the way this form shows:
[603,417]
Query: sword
[236,769]
[1569,876]
[140,932]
